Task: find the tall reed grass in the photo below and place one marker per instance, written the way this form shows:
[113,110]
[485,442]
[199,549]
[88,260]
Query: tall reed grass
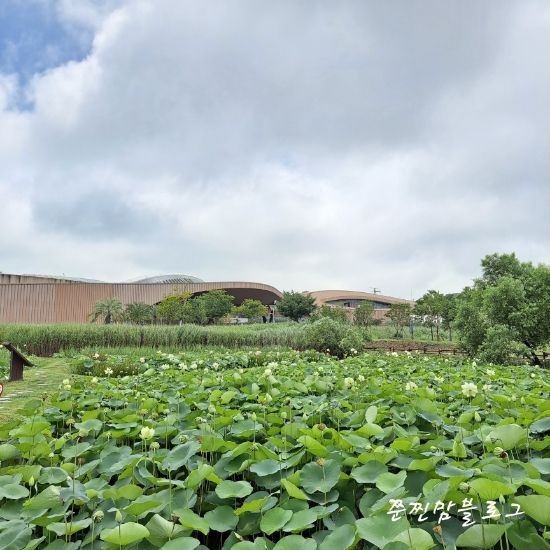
[45,340]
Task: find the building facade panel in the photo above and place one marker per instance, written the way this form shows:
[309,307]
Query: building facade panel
[73,302]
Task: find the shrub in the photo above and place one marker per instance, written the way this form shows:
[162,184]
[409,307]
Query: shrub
[336,313]
[501,346]
[333,337]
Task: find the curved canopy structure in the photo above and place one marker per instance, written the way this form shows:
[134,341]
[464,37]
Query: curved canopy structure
[350,299]
[72,302]
[174,278]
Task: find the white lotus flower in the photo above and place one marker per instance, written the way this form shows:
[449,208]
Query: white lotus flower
[410,386]
[147,433]
[95,380]
[469,389]
[490,372]
[108,371]
[142,359]
[349,382]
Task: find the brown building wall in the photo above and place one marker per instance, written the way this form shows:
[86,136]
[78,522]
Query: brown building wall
[61,302]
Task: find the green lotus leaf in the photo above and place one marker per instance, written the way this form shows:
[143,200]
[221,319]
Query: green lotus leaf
[233,489]
[341,538]
[295,542]
[125,533]
[388,482]
[274,520]
[535,506]
[321,476]
[222,519]
[481,536]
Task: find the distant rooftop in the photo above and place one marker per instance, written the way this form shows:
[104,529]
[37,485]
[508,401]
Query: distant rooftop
[57,277]
[173,278]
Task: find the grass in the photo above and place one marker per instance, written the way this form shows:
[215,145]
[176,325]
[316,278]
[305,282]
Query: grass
[37,381]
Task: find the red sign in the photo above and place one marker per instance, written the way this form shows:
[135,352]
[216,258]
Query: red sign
[1,389]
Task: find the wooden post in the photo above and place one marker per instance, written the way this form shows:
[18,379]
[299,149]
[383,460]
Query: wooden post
[18,361]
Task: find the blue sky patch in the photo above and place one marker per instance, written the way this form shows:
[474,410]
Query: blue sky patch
[33,39]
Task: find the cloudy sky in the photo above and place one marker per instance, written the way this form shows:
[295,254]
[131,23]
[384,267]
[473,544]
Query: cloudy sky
[307,145]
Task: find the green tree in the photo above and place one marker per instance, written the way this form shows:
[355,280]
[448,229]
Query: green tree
[510,302]
[251,309]
[193,311]
[296,305]
[496,266]
[110,310]
[449,313]
[139,313]
[430,308]
[171,308]
[399,314]
[216,303]
[363,315]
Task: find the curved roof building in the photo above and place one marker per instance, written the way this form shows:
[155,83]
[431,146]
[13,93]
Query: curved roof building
[352,298]
[50,299]
[42,299]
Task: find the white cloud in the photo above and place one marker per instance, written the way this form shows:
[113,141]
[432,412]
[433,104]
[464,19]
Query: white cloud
[342,145]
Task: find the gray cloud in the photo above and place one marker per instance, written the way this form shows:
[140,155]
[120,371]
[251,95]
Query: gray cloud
[309,146]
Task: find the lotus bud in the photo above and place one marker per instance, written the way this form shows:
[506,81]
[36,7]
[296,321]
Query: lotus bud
[98,516]
[118,516]
[477,417]
[499,451]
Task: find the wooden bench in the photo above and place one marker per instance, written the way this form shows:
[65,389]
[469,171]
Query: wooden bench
[18,361]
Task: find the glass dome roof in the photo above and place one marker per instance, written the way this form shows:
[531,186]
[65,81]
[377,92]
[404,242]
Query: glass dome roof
[173,278]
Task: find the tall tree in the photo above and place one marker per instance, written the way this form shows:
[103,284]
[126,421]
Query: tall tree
[251,309]
[399,314]
[172,307]
[217,304]
[511,301]
[364,314]
[430,308]
[296,305]
[449,313]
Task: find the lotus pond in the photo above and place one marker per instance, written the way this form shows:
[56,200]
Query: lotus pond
[284,450]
